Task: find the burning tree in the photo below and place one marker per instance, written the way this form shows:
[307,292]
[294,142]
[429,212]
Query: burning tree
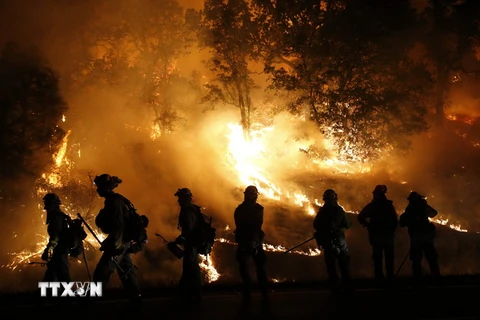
[31,107]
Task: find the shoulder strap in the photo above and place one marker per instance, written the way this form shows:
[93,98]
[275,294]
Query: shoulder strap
[127,202]
[203,216]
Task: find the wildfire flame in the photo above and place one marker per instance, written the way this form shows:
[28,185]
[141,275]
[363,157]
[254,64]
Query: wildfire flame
[444,222]
[54,180]
[206,264]
[248,157]
[245,157]
[278,248]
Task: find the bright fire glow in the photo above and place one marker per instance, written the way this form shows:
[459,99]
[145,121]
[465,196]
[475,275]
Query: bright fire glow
[278,248]
[54,180]
[250,158]
[246,158]
[206,264]
[444,222]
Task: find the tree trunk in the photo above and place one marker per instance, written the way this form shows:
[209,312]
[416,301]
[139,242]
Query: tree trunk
[244,105]
[248,111]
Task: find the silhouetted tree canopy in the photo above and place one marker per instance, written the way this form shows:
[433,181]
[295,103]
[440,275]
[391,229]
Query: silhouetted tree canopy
[452,33]
[31,106]
[134,45]
[229,34]
[348,63]
[351,66]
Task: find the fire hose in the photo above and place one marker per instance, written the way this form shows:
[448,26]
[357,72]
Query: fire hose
[100,242]
[300,244]
[41,264]
[178,252]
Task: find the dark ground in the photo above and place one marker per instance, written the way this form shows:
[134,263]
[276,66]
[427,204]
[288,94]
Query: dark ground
[453,298]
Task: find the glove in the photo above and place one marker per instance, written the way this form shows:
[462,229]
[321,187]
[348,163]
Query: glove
[45,254]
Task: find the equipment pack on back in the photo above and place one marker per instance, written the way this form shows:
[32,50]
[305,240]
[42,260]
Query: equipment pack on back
[205,234]
[135,227]
[75,235]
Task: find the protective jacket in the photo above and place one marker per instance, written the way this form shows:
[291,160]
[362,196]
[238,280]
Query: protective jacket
[380,218]
[188,222]
[111,220]
[416,218]
[329,224]
[57,231]
[248,221]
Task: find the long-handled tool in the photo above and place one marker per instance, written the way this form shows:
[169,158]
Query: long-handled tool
[89,229]
[300,244]
[41,264]
[178,252]
[86,263]
[100,242]
[401,265]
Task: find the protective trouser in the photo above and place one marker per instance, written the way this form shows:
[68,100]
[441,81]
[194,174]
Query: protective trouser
[420,245]
[58,268]
[128,273]
[190,285]
[260,259]
[342,257]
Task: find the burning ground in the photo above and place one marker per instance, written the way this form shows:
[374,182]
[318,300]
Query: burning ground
[290,162]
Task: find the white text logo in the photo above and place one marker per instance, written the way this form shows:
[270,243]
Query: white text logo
[71,289]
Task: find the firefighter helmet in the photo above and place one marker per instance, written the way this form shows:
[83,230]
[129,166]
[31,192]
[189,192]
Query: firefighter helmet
[52,198]
[106,180]
[330,195]
[184,193]
[380,189]
[414,195]
[251,190]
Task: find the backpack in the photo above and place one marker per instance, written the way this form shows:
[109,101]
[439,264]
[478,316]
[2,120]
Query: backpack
[135,226]
[204,234]
[430,212]
[74,236]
